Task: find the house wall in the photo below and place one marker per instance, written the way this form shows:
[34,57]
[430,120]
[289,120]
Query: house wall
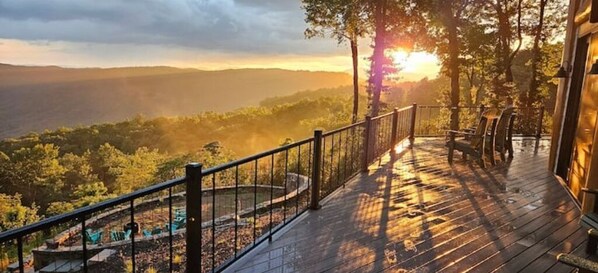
[583,169]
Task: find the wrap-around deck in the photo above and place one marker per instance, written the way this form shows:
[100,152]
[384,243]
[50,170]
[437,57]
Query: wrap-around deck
[415,212]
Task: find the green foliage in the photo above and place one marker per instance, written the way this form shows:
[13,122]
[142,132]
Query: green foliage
[37,172]
[14,214]
[69,168]
[56,208]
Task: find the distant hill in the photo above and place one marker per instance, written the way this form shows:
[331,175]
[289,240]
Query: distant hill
[38,98]
[341,91]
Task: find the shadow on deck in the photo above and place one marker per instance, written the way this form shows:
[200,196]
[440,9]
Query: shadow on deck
[417,213]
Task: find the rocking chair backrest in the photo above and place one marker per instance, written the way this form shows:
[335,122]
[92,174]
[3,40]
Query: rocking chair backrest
[502,127]
[511,124]
[480,132]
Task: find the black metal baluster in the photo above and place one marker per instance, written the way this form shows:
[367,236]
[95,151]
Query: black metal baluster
[271,194]
[419,124]
[236,206]
[390,132]
[170,244]
[297,179]
[323,164]
[309,170]
[332,184]
[20,254]
[353,132]
[286,170]
[345,157]
[254,202]
[402,125]
[84,241]
[338,166]
[132,204]
[387,135]
[213,222]
[383,136]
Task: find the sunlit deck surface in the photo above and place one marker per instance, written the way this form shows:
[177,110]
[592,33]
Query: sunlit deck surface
[420,214]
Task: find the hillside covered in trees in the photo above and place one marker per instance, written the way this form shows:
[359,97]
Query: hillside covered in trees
[57,171]
[38,98]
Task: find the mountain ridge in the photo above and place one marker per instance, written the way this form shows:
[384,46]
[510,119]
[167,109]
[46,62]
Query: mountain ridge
[34,98]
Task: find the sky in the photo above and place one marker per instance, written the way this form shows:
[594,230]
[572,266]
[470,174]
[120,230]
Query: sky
[203,34]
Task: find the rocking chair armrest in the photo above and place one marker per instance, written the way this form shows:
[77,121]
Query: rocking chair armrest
[590,191]
[470,134]
[577,262]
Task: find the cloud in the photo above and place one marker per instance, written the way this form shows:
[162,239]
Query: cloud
[242,26]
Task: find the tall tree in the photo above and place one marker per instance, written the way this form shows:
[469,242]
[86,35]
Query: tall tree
[446,20]
[505,22]
[397,24]
[531,96]
[379,60]
[13,214]
[344,20]
[478,55]
[547,18]
[39,173]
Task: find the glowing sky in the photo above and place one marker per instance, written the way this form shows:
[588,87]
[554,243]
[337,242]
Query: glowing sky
[204,34]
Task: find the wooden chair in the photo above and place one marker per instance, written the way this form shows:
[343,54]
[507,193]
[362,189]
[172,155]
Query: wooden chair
[584,265]
[93,238]
[475,144]
[509,142]
[504,134]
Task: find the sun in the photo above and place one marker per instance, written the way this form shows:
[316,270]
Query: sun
[414,62]
[400,58]
[403,60]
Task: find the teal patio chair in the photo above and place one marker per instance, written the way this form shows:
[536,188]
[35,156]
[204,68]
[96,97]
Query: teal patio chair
[120,235]
[147,233]
[93,238]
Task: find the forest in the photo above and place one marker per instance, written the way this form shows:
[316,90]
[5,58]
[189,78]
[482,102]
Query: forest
[57,171]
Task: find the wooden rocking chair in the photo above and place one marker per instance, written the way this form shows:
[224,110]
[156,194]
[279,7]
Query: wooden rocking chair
[474,144]
[504,134]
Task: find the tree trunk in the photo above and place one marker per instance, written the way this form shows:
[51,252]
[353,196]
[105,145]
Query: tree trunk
[534,84]
[512,54]
[354,56]
[454,71]
[377,70]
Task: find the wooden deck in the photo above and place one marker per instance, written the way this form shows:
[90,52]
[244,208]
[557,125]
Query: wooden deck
[419,214]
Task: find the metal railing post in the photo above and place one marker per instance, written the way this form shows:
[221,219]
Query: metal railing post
[366,144]
[193,208]
[395,125]
[540,123]
[412,128]
[316,173]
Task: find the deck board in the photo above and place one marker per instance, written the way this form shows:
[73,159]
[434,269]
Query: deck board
[418,213]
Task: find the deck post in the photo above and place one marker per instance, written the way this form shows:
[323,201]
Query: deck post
[412,128]
[366,143]
[540,123]
[316,172]
[193,207]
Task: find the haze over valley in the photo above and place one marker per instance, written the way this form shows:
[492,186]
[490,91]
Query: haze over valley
[36,98]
